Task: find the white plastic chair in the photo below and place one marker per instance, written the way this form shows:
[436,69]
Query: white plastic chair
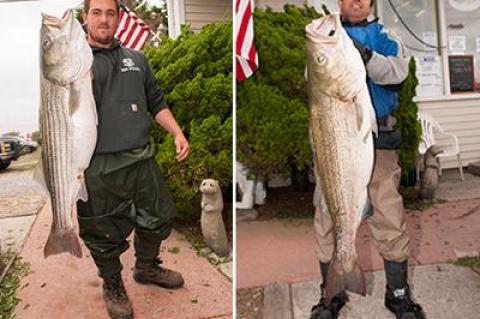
[430,128]
[253,192]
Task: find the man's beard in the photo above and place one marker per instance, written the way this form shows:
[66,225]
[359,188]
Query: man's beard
[106,40]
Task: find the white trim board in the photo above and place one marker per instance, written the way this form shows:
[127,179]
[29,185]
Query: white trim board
[176,17]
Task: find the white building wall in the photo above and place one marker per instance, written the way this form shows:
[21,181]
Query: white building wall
[459,117]
[201,12]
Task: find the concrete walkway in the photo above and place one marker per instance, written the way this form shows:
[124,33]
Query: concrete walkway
[445,291]
[65,287]
[279,255]
[284,250]
[451,187]
[20,200]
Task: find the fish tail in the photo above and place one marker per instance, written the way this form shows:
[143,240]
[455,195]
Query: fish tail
[339,280]
[65,241]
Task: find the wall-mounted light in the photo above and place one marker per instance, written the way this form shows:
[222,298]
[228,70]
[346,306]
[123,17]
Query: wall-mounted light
[465,5]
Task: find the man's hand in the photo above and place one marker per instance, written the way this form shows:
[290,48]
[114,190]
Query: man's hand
[365,53]
[182,147]
[167,121]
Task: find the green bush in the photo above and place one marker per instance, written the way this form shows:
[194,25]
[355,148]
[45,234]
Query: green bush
[272,110]
[195,73]
[406,115]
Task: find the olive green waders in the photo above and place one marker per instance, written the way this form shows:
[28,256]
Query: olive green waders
[126,192]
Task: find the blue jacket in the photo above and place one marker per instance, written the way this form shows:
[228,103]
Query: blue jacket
[372,36]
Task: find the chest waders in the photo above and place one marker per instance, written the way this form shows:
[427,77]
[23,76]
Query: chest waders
[126,192]
[126,189]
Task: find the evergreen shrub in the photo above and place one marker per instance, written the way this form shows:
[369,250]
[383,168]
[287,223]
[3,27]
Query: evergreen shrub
[195,73]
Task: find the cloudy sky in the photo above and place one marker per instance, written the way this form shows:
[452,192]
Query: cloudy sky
[19,60]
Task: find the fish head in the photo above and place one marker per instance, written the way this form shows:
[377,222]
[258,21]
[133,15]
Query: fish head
[334,65]
[65,55]
[322,44]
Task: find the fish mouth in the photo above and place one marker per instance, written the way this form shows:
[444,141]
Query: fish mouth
[63,72]
[324,30]
[57,22]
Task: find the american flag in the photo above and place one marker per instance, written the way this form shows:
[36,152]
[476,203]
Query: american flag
[132,31]
[246,53]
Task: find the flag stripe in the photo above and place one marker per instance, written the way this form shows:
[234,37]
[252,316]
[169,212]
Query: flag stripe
[123,21]
[242,32]
[246,52]
[142,41]
[241,6]
[126,29]
[132,31]
[131,37]
[139,37]
[248,41]
[240,73]
[125,26]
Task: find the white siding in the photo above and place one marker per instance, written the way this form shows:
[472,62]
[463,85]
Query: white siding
[462,118]
[201,12]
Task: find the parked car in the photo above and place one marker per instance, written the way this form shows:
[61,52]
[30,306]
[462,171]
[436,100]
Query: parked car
[12,148]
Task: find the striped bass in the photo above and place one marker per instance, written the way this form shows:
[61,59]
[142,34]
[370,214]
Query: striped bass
[68,120]
[342,120]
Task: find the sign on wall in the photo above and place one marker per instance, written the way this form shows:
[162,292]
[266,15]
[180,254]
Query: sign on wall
[458,44]
[461,73]
[429,74]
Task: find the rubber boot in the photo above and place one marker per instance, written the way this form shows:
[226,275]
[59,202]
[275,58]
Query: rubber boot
[152,272]
[397,295]
[323,310]
[116,299]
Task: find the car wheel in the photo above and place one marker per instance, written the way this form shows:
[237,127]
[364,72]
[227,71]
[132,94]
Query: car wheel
[4,165]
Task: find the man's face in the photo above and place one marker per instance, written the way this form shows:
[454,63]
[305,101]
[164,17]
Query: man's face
[355,10]
[102,20]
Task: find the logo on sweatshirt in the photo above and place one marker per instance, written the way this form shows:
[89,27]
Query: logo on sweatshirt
[128,65]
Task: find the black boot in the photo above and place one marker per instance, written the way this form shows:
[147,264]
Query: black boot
[153,273]
[323,310]
[397,295]
[116,299]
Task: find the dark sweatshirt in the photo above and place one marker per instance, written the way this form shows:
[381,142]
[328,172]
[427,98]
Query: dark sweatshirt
[127,97]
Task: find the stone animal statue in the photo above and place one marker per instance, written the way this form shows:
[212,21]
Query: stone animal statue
[429,179]
[213,228]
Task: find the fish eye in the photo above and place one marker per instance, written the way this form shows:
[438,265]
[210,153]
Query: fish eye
[47,42]
[322,59]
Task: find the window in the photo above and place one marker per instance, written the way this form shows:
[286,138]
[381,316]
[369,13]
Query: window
[451,27]
[420,17]
[462,19]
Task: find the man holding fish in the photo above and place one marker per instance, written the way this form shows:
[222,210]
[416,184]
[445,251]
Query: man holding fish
[125,187]
[344,164]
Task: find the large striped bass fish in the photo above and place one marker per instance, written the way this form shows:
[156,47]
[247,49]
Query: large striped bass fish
[68,120]
[342,121]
